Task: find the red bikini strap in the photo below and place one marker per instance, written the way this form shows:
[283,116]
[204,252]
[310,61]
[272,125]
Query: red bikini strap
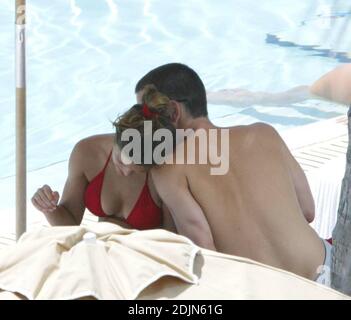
[108,159]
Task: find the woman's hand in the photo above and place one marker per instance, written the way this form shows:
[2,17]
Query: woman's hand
[45,200]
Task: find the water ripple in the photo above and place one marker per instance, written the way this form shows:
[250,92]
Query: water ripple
[85,56]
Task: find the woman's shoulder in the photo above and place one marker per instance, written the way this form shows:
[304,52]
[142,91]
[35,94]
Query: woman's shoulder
[90,151]
[96,143]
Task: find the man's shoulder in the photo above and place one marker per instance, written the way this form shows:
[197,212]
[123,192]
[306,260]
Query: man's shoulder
[261,129]
[255,134]
[261,126]
[257,128]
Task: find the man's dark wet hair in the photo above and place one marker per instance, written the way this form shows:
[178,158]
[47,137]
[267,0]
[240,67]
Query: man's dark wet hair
[180,83]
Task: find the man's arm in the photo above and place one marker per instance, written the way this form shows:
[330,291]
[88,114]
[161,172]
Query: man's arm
[302,188]
[188,216]
[167,221]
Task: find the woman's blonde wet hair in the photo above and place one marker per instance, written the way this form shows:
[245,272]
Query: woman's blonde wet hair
[159,112]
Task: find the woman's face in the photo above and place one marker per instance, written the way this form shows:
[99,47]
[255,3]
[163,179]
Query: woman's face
[122,168]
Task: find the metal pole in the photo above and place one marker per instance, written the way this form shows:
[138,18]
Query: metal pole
[21,178]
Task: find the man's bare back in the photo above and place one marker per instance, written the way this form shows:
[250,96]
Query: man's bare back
[260,209]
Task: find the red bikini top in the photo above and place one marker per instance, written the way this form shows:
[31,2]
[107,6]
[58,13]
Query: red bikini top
[145,213]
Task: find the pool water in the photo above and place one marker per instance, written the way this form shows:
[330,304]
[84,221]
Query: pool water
[84,58]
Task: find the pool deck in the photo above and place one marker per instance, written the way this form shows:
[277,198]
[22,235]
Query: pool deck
[314,146]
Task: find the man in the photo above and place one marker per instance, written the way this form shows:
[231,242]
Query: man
[260,209]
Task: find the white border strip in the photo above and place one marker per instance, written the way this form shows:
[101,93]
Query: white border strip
[20,56]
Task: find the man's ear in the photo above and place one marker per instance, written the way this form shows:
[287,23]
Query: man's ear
[139,96]
[176,111]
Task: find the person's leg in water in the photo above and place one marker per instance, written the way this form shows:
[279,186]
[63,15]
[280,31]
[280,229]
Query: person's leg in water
[244,98]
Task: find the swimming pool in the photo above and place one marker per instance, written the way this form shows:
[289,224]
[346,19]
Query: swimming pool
[85,56]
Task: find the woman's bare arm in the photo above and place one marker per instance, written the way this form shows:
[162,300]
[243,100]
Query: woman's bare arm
[70,209]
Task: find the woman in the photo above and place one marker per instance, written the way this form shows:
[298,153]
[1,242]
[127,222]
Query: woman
[99,181]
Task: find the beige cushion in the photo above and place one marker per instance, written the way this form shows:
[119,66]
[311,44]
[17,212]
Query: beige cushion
[53,263]
[58,263]
[335,85]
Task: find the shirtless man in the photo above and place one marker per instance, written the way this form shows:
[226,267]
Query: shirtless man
[260,209]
